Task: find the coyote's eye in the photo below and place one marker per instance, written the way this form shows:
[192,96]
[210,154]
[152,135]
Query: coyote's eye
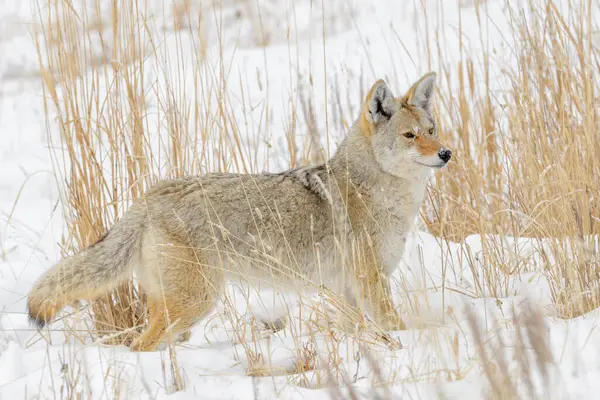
[409,135]
[431,131]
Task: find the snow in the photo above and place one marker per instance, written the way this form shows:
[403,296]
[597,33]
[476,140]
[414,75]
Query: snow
[363,41]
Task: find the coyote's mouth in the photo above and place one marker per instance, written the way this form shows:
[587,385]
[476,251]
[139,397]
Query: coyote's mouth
[436,166]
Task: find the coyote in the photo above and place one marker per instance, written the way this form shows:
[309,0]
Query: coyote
[343,223]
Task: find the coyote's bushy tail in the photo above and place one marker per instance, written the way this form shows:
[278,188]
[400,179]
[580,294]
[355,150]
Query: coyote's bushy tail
[88,274]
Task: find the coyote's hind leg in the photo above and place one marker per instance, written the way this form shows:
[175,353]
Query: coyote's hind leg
[186,292]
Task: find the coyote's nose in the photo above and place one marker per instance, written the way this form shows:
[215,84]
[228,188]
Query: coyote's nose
[445,155]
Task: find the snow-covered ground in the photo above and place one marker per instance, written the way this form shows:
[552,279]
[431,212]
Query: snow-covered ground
[363,41]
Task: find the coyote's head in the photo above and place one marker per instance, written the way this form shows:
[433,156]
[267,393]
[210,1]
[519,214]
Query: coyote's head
[402,130]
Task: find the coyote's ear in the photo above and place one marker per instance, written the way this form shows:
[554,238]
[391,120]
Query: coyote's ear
[379,105]
[421,93]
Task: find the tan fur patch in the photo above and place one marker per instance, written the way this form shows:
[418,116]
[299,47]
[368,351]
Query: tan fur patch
[366,127]
[413,110]
[427,146]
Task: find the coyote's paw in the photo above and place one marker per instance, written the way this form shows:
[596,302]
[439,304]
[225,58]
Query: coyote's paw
[142,345]
[184,337]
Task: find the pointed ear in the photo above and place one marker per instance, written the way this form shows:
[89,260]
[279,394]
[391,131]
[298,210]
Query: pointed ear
[379,104]
[422,92]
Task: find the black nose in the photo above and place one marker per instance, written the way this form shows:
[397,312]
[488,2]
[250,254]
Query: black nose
[445,155]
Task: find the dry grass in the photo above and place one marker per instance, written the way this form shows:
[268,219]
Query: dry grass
[526,162]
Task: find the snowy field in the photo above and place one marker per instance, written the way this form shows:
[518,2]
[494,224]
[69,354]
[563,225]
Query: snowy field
[440,355]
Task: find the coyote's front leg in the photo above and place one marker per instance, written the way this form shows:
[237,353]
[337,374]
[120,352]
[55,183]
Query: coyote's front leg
[374,287]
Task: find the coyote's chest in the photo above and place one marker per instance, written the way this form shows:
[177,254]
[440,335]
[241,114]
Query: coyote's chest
[397,210]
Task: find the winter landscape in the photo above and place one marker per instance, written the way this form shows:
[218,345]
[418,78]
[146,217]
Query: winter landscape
[500,282]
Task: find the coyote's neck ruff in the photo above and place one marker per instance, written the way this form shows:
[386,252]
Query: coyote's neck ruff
[342,223]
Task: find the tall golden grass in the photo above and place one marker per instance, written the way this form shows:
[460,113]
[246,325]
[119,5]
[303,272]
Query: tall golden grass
[525,164]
